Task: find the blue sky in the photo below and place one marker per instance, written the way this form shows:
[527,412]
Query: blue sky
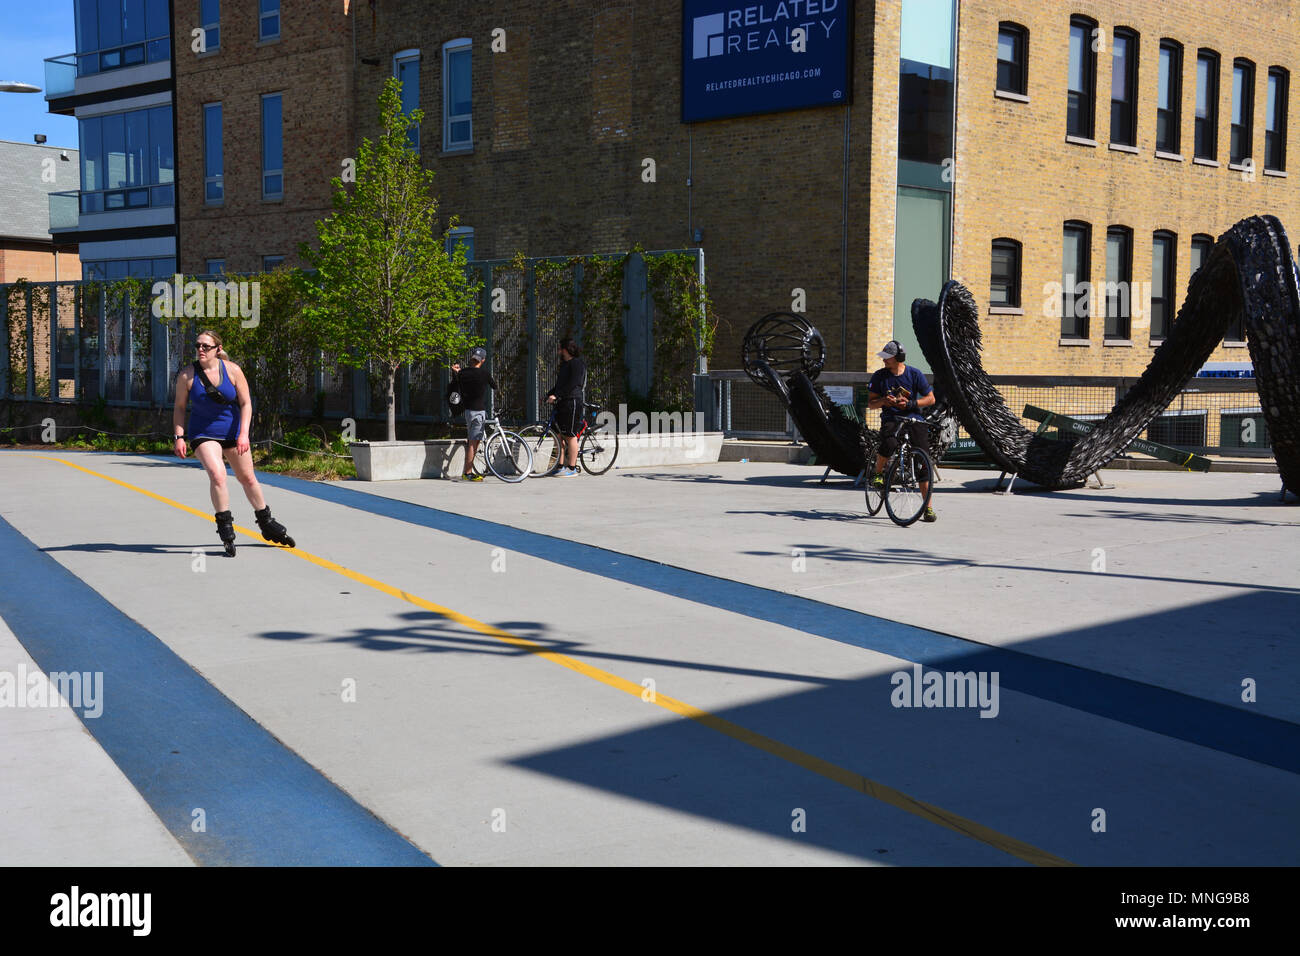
[30,31]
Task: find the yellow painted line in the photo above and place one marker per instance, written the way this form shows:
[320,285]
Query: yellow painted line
[823,768]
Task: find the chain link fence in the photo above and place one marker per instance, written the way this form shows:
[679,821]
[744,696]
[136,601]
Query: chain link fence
[1210,416]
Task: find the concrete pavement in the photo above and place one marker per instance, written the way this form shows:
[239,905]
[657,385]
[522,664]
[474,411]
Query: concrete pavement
[686,665]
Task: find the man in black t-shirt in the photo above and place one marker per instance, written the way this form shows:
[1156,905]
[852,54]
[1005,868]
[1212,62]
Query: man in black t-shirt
[473,384]
[568,396]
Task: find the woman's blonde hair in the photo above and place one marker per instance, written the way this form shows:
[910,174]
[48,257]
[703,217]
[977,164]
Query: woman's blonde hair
[216,340]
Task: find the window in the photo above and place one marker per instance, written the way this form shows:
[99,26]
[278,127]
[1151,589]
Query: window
[1119,282]
[457,132]
[1004,290]
[1123,88]
[1075,268]
[271,262]
[215,267]
[1207,104]
[268,19]
[214,190]
[210,15]
[461,236]
[1201,246]
[1083,79]
[406,68]
[1243,111]
[1164,266]
[1013,58]
[116,33]
[1169,96]
[272,148]
[1275,120]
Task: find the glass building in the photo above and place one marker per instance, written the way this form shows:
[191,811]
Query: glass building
[119,85]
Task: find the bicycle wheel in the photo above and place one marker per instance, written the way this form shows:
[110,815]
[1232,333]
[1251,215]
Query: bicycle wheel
[875,496]
[904,499]
[547,447]
[508,456]
[598,450]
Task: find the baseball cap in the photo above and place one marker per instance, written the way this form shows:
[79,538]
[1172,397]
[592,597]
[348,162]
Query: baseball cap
[478,354]
[891,349]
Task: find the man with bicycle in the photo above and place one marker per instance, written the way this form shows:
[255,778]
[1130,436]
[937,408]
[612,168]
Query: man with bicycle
[473,384]
[900,391]
[567,396]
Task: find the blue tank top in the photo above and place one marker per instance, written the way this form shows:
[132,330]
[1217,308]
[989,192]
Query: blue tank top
[211,419]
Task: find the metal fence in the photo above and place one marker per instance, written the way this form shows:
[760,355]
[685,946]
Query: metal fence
[1210,416]
[75,342]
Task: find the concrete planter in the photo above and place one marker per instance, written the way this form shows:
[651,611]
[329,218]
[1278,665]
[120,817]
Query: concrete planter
[398,460]
[671,448]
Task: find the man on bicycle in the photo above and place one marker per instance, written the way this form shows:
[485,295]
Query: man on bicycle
[900,391]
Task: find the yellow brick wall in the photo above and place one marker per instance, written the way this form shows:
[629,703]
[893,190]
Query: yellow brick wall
[1016,176]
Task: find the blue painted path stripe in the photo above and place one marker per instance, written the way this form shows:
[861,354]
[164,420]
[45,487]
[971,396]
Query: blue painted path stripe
[180,742]
[1264,739]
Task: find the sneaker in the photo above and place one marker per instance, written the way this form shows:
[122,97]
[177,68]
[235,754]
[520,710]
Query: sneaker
[878,481]
[929,514]
[471,477]
[566,473]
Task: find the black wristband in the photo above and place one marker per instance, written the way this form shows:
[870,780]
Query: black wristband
[912,406]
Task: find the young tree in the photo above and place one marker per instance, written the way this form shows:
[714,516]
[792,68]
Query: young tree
[385,290]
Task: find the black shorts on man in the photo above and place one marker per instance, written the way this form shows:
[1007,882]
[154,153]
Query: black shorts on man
[568,416]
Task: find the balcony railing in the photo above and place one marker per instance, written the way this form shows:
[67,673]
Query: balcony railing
[63,210]
[128,197]
[61,72]
[60,75]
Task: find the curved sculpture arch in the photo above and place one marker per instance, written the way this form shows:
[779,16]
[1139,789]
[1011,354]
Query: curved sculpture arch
[784,353]
[1249,273]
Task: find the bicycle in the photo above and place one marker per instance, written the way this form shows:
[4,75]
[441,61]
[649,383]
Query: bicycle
[504,453]
[597,449]
[901,492]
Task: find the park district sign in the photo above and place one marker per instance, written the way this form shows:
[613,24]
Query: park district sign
[764,58]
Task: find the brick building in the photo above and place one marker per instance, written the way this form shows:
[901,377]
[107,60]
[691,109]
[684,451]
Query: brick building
[28,175]
[976,142]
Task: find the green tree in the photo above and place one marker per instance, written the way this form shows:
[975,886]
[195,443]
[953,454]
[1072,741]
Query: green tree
[385,291]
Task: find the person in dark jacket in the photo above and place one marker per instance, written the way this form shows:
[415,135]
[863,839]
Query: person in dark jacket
[473,383]
[568,396]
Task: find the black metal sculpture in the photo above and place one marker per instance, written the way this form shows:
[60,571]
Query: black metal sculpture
[784,353]
[1250,272]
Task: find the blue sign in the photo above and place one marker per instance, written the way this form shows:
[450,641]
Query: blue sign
[764,58]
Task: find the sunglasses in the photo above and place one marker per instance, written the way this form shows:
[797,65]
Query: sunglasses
[204,348]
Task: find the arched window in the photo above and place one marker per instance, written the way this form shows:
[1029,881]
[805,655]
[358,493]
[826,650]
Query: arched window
[1013,58]
[1275,119]
[1241,145]
[1076,279]
[1123,87]
[1207,104]
[1164,269]
[1082,107]
[1119,282]
[1169,96]
[1004,284]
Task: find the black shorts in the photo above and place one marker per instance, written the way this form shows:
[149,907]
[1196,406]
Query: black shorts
[224,442]
[889,432]
[568,416]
